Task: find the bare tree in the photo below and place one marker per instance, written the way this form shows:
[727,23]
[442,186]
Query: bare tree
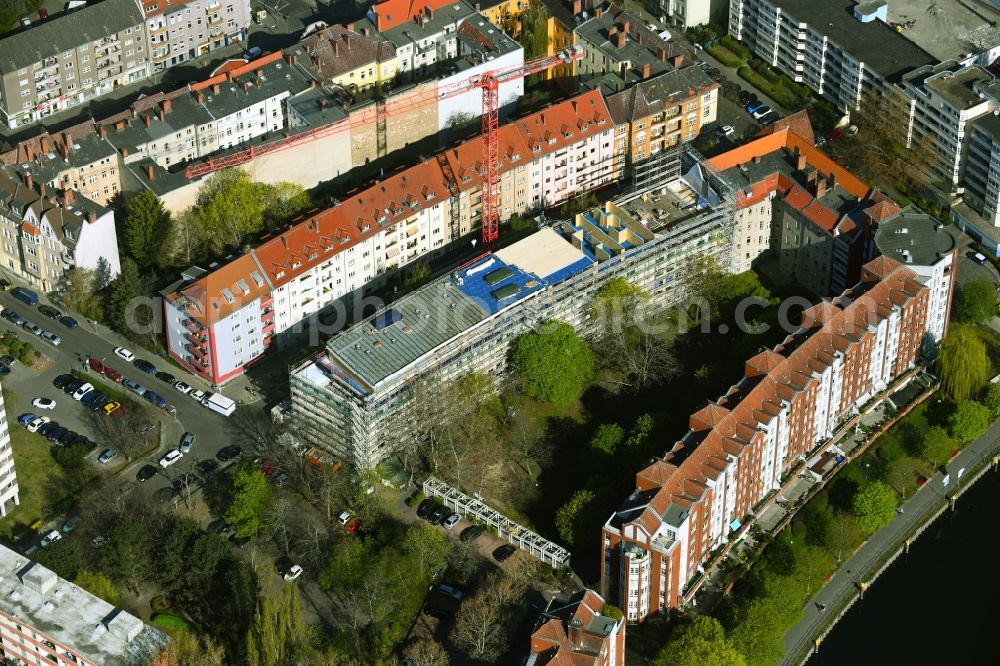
[484,623]
[278,521]
[424,652]
[311,541]
[124,435]
[184,480]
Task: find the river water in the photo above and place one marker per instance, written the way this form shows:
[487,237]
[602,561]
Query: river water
[939,605]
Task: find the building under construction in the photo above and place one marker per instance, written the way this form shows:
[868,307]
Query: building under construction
[353,398]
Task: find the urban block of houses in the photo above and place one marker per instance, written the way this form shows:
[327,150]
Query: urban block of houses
[790,403]
[45,618]
[184,30]
[575,631]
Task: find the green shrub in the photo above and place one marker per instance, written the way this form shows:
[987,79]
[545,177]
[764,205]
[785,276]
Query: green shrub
[725,56]
[170,621]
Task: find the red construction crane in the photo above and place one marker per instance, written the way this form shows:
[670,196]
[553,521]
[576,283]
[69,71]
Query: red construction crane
[488,82]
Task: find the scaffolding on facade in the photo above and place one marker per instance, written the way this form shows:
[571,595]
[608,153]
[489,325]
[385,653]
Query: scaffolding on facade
[548,552]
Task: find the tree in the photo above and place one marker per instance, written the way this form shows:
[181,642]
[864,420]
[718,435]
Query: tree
[230,208]
[81,293]
[700,642]
[874,506]
[976,302]
[145,229]
[189,650]
[534,33]
[284,202]
[614,304]
[425,652]
[569,515]
[97,584]
[251,494]
[963,364]
[349,562]
[427,546]
[278,634]
[607,437]
[904,472]
[125,290]
[991,398]
[102,274]
[419,273]
[841,534]
[555,363]
[936,446]
[969,420]
[126,554]
[578,204]
[757,633]
[483,625]
[65,557]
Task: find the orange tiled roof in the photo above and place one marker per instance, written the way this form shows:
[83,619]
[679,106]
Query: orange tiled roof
[392,13]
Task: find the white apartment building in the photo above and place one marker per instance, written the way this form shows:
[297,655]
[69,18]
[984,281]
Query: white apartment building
[180,31]
[423,32]
[8,476]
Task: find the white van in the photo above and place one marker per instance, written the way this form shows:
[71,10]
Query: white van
[219,404]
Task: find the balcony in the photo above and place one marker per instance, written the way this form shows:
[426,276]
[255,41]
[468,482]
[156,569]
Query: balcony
[197,352]
[193,327]
[214,19]
[196,340]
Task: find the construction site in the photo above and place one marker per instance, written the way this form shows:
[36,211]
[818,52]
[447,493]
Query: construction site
[355,396]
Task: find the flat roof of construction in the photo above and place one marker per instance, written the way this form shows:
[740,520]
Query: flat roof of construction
[418,323]
[948,29]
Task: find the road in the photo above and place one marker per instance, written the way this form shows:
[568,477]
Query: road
[730,75]
[844,584]
[213,430]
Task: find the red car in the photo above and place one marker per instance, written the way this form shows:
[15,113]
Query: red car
[113,375]
[95,365]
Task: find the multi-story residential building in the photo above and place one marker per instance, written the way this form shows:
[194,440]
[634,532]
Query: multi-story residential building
[46,235]
[355,398]
[69,59]
[45,618]
[9,491]
[545,159]
[180,31]
[979,212]
[790,403]
[620,42]
[574,631]
[78,158]
[352,60]
[424,32]
[686,14]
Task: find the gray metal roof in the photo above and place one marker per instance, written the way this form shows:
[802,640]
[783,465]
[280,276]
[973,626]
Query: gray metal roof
[68,31]
[430,317]
[923,239]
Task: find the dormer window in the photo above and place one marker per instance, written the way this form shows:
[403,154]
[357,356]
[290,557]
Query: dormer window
[296,264]
[279,275]
[257,279]
[228,295]
[242,285]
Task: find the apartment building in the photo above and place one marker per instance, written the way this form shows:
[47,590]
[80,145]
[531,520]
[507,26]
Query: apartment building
[70,59]
[78,158]
[979,212]
[789,404]
[618,41]
[45,618]
[45,234]
[355,398]
[181,31]
[546,158]
[9,491]
[424,32]
[356,61]
[573,631]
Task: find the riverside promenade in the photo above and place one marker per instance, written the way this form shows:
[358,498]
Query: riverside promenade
[846,586]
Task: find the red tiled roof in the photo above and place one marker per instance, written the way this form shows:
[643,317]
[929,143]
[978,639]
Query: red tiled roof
[797,122]
[392,13]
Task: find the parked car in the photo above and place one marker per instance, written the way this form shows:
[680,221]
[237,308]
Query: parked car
[345,517]
[51,537]
[197,395]
[49,311]
[71,524]
[977,257]
[95,364]
[166,377]
[426,508]
[45,428]
[37,423]
[82,390]
[106,456]
[68,438]
[471,534]
[32,328]
[440,513]
[170,457]
[56,434]
[43,403]
[12,316]
[760,112]
[450,591]
[51,338]
[227,453]
[154,398]
[4,370]
[504,552]
[144,365]
[281,480]
[111,407]
[726,131]
[769,118]
[451,521]
[135,387]
[284,565]
[5,284]
[9,360]
[187,440]
[26,418]
[68,322]
[24,295]
[753,105]
[207,466]
[146,473]
[122,352]
[182,387]
[113,375]
[72,385]
[219,526]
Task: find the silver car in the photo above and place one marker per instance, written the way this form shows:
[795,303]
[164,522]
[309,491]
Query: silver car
[107,455]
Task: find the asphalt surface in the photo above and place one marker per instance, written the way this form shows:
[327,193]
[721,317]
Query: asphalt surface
[213,431]
[844,584]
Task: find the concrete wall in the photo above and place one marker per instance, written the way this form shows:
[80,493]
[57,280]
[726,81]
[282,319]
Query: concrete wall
[98,239]
[307,164]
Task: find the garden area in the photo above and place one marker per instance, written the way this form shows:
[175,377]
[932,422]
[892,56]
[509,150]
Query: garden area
[777,86]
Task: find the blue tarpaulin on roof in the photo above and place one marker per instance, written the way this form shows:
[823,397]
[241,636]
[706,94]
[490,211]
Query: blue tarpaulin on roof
[386,319]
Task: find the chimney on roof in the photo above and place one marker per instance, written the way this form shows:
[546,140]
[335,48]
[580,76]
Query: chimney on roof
[284,240]
[124,151]
[620,43]
[150,172]
[199,97]
[678,60]
[290,58]
[67,197]
[756,159]
[364,31]
[160,114]
[625,26]
[661,54]
[101,131]
[147,119]
[618,86]
[45,144]
[638,36]
[323,103]
[647,69]
[612,31]
[41,189]
[119,124]
[28,181]
[350,27]
[599,12]
[832,180]
[477,7]
[312,83]
[167,104]
[229,75]
[820,187]
[91,217]
[429,11]
[800,160]
[259,73]
[245,86]
[336,49]
[577,7]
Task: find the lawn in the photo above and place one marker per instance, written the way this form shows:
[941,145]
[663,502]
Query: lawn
[41,481]
[725,56]
[775,90]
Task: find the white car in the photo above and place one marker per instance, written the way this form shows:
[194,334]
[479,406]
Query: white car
[51,537]
[345,517]
[451,521]
[51,338]
[43,403]
[82,391]
[197,394]
[182,387]
[170,458]
[294,572]
[121,352]
[727,130]
[37,423]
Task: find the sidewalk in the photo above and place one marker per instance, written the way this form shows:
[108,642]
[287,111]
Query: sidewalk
[730,74]
[844,586]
